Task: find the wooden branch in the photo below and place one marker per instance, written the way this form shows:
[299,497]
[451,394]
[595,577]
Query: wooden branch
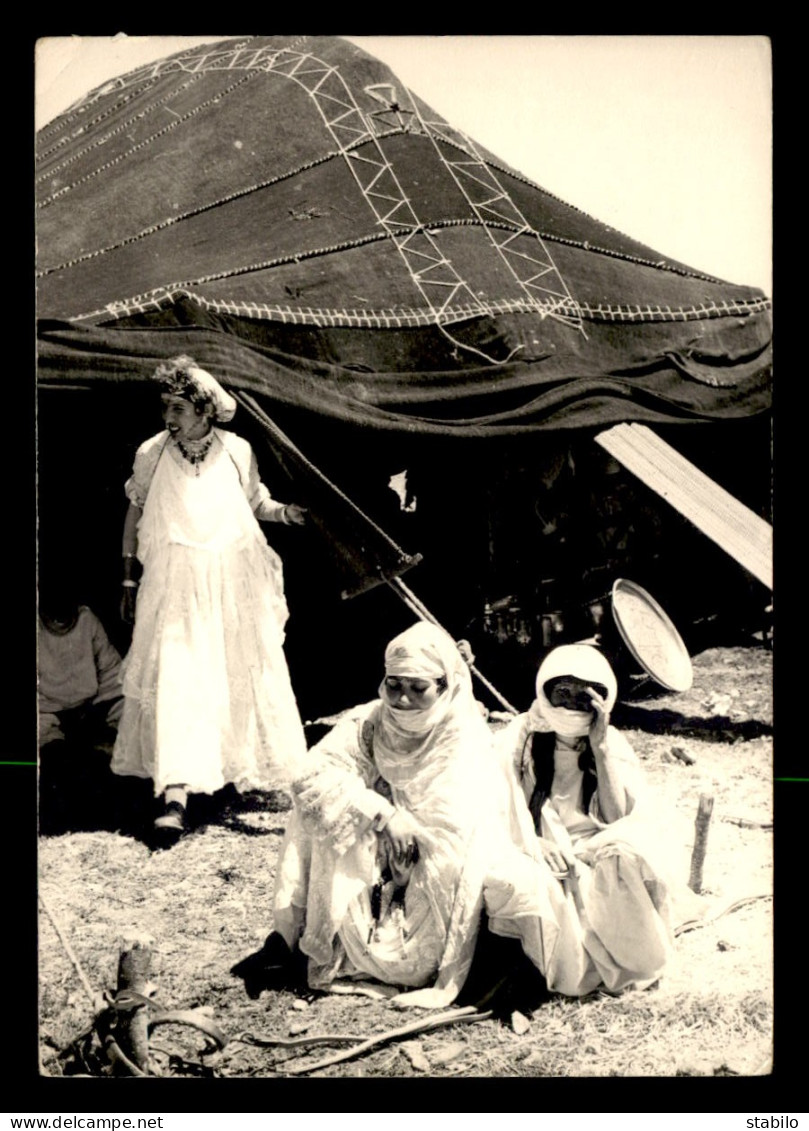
[116,1056]
[294,1042]
[692,924]
[747,822]
[455,1016]
[700,841]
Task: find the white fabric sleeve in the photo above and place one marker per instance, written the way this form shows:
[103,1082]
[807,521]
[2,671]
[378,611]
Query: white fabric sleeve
[334,793]
[509,743]
[136,487]
[620,752]
[264,507]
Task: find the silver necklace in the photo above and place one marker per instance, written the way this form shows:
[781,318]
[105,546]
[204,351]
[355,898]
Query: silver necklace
[195,455]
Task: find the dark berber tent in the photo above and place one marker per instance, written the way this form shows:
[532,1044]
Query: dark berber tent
[424,345]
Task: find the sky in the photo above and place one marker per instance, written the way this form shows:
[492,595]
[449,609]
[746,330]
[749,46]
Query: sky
[666,138]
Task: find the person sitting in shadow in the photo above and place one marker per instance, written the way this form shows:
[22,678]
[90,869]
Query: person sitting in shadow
[80,703]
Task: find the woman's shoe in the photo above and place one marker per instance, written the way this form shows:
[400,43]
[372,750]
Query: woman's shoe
[170,825]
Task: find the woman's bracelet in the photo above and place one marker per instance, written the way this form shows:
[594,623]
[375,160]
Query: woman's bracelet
[127,584]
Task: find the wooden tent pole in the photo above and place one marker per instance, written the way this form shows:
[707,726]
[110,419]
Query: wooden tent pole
[421,610]
[702,823]
[396,583]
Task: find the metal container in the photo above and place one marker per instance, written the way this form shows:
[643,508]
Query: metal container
[649,635]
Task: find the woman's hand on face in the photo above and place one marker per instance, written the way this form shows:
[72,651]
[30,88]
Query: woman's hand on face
[400,833]
[601,719]
[128,601]
[560,862]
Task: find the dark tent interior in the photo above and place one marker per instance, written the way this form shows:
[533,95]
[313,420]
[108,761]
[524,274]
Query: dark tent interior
[518,539]
[396,300]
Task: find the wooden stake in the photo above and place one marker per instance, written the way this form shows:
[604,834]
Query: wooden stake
[700,841]
[132,1030]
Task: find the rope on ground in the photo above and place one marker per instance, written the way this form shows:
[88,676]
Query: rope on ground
[88,989]
[107,1007]
[456,1016]
[746,822]
[692,924]
[97,1000]
[294,1042]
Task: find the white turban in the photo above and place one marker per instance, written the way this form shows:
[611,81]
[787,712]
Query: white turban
[424,651]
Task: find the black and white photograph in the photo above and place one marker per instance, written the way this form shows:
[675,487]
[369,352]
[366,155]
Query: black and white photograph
[404,463]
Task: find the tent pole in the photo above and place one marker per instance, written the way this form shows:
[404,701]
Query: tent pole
[408,596]
[420,609]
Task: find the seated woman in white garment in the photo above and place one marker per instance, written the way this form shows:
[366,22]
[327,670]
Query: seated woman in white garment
[207,694]
[400,814]
[612,921]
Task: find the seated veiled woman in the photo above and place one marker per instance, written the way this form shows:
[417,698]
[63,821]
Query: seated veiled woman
[612,921]
[400,813]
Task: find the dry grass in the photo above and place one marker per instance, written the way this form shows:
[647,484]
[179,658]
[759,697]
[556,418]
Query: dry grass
[207,903]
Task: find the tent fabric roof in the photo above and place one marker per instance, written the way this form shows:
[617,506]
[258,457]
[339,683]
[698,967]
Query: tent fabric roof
[285,210]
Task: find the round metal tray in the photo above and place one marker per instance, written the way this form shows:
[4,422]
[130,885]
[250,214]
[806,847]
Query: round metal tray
[649,634]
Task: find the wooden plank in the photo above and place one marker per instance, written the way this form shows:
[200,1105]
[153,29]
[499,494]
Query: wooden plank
[739,531]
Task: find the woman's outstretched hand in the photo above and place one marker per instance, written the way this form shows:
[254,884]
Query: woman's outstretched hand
[295,514]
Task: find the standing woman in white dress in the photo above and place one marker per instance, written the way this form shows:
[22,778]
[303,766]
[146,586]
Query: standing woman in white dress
[208,698]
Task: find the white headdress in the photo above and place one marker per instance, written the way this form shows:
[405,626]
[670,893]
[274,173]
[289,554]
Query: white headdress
[427,652]
[585,663]
[223,402]
[184,378]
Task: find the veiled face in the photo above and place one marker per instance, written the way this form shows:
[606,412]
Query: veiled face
[412,693]
[572,693]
